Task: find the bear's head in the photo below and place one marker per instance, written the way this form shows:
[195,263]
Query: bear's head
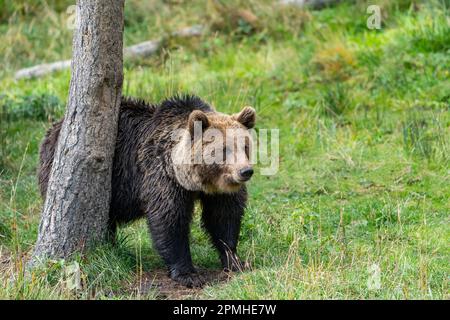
[214,151]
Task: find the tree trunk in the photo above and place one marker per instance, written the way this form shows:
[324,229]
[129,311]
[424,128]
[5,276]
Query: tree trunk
[76,208]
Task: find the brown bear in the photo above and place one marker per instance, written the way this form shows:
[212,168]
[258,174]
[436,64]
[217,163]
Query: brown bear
[150,180]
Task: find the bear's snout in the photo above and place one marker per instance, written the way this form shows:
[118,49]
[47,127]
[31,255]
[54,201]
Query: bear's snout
[246,173]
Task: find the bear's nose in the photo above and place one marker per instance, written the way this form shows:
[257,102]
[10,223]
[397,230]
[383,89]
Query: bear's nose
[246,173]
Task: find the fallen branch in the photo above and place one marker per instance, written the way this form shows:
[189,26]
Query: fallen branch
[42,69]
[142,49]
[314,4]
[147,48]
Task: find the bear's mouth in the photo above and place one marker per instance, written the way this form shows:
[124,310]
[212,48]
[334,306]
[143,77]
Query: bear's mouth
[233,182]
[224,184]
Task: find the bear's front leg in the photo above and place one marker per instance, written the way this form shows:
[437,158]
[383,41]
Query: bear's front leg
[222,215]
[169,217]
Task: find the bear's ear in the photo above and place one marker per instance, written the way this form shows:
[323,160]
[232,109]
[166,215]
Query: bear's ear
[247,117]
[200,118]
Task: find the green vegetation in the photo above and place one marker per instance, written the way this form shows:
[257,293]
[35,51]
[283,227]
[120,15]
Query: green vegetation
[364,124]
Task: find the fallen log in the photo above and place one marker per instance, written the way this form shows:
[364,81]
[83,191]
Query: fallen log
[42,69]
[314,4]
[142,49]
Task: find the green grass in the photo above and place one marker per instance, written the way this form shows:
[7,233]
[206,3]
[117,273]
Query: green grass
[364,126]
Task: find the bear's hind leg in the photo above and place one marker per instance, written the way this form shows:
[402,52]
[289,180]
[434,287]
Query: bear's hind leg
[222,215]
[112,231]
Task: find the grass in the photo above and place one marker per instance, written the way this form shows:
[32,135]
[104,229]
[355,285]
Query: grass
[363,181]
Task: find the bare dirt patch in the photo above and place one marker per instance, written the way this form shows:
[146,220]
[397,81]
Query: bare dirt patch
[166,288]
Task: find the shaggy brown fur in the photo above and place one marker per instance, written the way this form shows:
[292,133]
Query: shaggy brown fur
[146,181]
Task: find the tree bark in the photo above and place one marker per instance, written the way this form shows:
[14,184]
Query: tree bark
[76,208]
